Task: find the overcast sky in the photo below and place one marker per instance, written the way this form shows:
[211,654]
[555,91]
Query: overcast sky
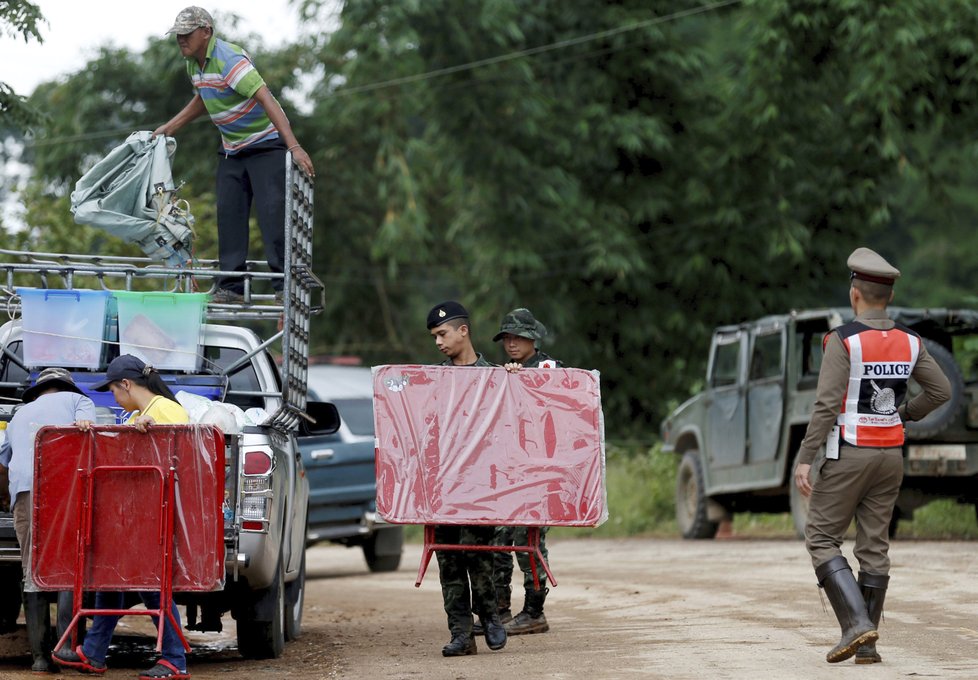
[75,30]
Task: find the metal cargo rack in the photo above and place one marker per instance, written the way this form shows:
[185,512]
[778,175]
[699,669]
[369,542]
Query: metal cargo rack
[304,292]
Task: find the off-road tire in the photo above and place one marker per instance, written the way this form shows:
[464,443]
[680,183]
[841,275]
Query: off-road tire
[691,501]
[295,595]
[265,639]
[939,419]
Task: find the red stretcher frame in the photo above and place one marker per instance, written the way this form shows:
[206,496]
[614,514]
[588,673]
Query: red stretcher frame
[173,476]
[482,446]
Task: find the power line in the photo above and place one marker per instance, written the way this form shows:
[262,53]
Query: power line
[561,44]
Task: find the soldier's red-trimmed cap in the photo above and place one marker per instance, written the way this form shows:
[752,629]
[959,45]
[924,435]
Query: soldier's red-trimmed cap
[446,311]
[868,265]
[190,19]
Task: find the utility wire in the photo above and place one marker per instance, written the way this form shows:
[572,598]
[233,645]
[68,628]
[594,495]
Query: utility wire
[561,44]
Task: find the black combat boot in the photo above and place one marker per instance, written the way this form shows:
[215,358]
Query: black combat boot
[531,619]
[462,644]
[495,633]
[37,614]
[835,577]
[503,606]
[874,592]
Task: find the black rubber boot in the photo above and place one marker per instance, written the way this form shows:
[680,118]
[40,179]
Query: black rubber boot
[835,577]
[874,592]
[531,619]
[37,614]
[462,644]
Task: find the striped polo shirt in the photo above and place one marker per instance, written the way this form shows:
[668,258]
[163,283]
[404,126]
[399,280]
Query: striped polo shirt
[227,83]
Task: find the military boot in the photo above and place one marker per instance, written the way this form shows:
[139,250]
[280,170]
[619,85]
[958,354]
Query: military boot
[495,632]
[37,614]
[874,592]
[503,607]
[531,619]
[462,644]
[835,577]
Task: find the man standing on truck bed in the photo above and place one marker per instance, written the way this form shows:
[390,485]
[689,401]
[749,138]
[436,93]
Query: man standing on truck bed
[858,416]
[465,576]
[256,138]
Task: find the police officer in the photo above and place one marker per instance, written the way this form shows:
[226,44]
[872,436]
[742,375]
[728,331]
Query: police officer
[859,411]
[519,333]
[466,577]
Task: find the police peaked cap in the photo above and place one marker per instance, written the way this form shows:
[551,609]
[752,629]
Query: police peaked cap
[868,265]
[522,323]
[446,311]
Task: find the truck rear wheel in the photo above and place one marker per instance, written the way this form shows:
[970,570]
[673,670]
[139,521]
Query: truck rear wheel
[691,501]
[382,549]
[295,596]
[940,418]
[265,639]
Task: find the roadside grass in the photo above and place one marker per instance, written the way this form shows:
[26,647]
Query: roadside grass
[641,480]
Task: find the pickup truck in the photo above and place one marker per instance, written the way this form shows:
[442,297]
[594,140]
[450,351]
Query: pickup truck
[267,491]
[736,440]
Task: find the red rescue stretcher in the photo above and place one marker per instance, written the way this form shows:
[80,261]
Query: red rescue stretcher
[481,446]
[120,510]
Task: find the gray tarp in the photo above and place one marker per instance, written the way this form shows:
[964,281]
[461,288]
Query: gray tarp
[130,194]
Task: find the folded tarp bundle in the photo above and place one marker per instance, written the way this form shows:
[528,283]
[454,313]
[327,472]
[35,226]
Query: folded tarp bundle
[130,193]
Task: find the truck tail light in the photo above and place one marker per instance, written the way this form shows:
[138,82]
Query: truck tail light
[256,490]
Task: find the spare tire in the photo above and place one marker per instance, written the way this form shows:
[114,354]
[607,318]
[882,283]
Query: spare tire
[940,418]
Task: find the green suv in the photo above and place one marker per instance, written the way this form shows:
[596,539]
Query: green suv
[737,439]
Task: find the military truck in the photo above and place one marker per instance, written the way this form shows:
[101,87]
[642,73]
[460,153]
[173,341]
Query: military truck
[266,488]
[736,440]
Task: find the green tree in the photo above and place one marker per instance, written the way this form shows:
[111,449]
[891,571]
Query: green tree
[18,19]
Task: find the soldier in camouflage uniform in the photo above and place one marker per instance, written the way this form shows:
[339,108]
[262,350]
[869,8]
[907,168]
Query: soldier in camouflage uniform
[457,570]
[519,333]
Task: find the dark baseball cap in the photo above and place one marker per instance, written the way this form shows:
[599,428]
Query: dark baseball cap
[125,366]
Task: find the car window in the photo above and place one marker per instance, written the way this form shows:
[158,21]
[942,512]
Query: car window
[358,414]
[726,361]
[765,359]
[243,379]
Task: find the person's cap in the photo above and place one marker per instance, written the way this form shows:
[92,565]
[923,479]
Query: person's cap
[124,366]
[48,378]
[868,265]
[190,19]
[522,323]
[446,311]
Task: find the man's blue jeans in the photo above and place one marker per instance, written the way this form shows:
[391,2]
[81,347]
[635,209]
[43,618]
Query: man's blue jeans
[100,635]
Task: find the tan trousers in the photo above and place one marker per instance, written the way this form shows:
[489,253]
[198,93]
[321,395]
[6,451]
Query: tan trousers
[22,527]
[862,484]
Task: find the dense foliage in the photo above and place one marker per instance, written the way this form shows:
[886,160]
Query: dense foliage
[635,172]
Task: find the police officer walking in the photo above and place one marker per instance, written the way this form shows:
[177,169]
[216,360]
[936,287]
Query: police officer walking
[466,577]
[519,333]
[860,406]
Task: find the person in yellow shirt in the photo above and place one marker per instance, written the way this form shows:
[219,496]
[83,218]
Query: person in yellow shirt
[140,389]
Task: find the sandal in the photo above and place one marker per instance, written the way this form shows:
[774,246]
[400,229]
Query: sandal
[76,659]
[164,669]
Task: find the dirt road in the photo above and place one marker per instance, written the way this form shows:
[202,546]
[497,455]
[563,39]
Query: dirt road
[666,609]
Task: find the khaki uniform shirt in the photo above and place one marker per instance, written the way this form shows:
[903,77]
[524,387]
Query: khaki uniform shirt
[833,378]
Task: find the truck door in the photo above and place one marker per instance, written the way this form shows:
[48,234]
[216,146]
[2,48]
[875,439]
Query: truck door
[727,412]
[765,393]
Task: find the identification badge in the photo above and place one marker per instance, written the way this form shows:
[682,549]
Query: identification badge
[832,444]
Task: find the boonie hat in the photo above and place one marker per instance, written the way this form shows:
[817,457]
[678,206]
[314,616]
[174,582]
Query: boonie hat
[190,19]
[522,323]
[48,378]
[124,366]
[446,311]
[868,265]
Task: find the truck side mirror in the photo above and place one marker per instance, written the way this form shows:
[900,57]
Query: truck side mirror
[326,417]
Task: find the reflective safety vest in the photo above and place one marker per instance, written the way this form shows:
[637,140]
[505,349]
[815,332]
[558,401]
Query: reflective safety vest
[880,364]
